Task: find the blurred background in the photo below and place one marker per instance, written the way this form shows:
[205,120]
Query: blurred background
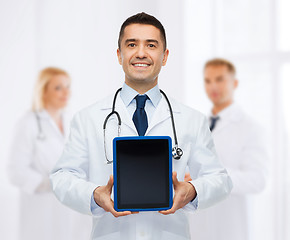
[81,37]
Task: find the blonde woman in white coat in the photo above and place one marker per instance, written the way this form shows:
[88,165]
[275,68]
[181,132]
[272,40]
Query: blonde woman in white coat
[37,145]
[240,146]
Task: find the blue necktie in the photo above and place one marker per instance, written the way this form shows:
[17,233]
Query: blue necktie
[213,122]
[140,117]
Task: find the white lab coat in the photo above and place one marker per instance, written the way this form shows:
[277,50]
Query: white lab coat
[83,167]
[31,160]
[240,144]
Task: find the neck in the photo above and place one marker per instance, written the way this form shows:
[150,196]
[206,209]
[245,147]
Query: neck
[56,116]
[54,112]
[141,88]
[217,108]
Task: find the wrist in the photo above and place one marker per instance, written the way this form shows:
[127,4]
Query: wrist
[192,192]
[96,195]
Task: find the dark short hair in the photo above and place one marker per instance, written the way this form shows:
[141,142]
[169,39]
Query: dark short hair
[143,18]
[221,62]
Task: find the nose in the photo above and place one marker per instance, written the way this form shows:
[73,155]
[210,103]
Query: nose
[66,91]
[141,52]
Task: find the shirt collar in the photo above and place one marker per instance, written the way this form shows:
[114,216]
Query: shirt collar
[128,94]
[42,113]
[225,113]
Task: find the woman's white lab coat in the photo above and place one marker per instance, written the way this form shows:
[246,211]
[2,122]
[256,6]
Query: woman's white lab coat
[31,160]
[240,144]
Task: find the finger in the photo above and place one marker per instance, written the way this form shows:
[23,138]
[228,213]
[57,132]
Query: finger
[172,209]
[114,212]
[169,211]
[110,182]
[174,179]
[120,214]
[187,177]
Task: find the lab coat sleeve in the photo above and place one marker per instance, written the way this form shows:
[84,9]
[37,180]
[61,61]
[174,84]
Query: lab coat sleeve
[69,178]
[250,176]
[20,167]
[191,206]
[210,179]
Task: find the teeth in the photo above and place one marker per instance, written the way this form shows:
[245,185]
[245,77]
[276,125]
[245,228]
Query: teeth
[141,65]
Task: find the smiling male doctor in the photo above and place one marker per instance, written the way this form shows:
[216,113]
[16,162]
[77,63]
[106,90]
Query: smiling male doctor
[82,179]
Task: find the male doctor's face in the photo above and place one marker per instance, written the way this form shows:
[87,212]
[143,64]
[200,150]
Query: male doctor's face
[142,55]
[219,84]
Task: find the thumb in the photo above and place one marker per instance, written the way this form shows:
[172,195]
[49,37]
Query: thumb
[174,178]
[110,182]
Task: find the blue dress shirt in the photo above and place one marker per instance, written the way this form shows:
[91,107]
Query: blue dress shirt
[128,95]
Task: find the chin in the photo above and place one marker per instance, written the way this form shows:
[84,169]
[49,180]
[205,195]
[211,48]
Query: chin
[62,105]
[140,78]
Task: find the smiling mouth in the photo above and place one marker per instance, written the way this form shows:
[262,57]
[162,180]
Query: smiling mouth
[141,65]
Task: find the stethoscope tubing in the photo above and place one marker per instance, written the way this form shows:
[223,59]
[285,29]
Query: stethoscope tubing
[176,151]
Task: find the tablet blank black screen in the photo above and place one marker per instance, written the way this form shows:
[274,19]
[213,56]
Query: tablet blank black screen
[142,173]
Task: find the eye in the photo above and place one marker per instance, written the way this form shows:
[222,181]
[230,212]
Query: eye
[58,88]
[151,45]
[131,45]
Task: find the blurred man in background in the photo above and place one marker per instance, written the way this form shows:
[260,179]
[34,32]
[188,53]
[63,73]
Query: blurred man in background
[240,147]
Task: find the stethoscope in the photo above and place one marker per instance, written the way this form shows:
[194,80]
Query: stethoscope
[40,135]
[176,151]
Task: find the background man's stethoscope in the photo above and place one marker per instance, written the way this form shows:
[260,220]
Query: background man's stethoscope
[176,151]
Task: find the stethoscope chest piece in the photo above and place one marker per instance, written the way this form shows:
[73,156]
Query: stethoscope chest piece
[177,153]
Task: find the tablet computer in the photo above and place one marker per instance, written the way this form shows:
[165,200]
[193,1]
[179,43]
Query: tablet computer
[142,173]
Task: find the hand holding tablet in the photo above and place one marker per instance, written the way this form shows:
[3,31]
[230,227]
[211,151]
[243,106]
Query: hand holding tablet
[102,196]
[184,193]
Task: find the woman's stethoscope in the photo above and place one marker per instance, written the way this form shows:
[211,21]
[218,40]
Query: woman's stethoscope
[176,151]
[40,135]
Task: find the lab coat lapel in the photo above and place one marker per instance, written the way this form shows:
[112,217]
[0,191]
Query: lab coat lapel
[234,115]
[121,109]
[125,117]
[44,115]
[161,114]
[220,125]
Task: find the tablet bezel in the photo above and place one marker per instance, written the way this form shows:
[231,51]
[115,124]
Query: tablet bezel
[170,190]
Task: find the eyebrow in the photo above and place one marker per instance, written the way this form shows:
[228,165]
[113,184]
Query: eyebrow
[152,40]
[135,40]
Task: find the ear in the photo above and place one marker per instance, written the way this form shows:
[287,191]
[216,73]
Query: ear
[166,53]
[236,83]
[119,56]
